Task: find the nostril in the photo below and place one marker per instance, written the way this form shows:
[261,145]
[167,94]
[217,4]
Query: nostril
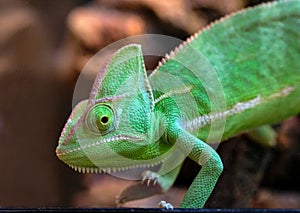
[58,151]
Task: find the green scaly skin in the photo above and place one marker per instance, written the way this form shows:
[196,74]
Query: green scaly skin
[238,74]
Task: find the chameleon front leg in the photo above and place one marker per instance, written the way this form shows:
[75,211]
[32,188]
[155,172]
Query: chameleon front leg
[212,167]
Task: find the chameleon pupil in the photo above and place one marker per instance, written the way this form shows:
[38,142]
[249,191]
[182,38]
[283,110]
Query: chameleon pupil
[104,119]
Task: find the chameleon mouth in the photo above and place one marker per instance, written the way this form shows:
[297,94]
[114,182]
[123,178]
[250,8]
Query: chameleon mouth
[96,170]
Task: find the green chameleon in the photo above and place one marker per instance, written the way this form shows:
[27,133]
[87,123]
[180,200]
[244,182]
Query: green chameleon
[238,74]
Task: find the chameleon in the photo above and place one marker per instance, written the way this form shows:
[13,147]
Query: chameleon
[239,74]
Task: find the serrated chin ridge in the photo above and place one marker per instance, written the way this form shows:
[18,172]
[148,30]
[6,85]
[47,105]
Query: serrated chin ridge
[95,170]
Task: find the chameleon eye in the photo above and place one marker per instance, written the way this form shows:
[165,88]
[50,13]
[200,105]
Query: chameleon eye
[100,119]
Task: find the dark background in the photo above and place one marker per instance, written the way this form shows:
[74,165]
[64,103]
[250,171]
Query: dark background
[44,46]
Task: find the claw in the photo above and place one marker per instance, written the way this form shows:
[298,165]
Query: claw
[148,182]
[144,179]
[165,205]
[149,177]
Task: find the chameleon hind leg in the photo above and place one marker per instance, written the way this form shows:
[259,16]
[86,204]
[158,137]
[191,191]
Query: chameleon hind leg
[264,135]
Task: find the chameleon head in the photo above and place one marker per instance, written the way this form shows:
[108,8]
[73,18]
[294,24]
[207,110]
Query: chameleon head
[111,130]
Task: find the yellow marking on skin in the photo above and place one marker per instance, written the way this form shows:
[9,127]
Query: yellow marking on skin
[209,118]
[176,91]
[239,107]
[284,92]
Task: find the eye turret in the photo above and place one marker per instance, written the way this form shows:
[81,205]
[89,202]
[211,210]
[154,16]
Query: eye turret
[100,119]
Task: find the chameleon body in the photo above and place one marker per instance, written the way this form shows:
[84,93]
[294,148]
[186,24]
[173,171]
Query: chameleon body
[238,74]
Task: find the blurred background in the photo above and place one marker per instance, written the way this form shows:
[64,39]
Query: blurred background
[43,48]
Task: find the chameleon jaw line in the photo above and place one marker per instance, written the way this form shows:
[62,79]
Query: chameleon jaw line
[105,140]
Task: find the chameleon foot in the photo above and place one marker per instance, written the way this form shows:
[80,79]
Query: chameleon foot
[149,178]
[165,205]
